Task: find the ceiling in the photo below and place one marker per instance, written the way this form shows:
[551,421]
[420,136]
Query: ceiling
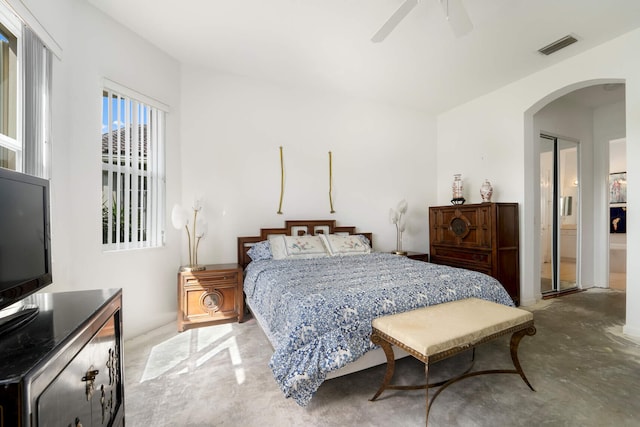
[325,46]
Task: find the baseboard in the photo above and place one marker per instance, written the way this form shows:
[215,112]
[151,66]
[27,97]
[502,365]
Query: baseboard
[632,331]
[550,295]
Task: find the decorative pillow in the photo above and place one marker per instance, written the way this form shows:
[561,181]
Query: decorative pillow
[297,247]
[339,244]
[365,239]
[260,250]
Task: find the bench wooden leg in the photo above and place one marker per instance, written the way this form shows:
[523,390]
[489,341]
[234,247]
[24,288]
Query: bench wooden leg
[426,389]
[513,346]
[515,342]
[391,362]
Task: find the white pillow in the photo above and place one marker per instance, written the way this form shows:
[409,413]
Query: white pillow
[342,244]
[297,247]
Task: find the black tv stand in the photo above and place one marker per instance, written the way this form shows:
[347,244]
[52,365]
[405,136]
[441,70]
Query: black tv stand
[24,315]
[64,368]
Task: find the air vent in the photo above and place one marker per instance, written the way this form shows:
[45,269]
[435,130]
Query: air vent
[557,45]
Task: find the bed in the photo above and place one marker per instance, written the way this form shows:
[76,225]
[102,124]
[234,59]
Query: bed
[316,308]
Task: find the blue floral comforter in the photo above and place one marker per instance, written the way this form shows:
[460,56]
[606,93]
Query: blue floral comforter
[318,312]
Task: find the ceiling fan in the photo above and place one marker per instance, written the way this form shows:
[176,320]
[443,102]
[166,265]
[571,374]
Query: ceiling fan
[454,10]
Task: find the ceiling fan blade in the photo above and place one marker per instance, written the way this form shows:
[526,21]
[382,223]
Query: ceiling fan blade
[394,20]
[457,16]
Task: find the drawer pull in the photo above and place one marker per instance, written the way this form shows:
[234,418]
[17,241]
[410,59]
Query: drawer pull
[90,375]
[89,379]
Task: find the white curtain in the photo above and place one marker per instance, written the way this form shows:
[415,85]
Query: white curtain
[36,65]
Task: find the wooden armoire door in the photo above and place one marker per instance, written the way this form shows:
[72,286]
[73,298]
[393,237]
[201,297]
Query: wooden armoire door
[482,237]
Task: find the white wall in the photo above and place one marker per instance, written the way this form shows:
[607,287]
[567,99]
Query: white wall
[232,128]
[94,47]
[498,130]
[617,155]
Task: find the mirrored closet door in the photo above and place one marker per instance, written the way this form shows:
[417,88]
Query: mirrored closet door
[559,208]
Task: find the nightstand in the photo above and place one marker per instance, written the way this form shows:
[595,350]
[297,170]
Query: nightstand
[419,256]
[210,296]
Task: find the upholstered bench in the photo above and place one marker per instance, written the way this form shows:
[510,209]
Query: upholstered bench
[434,333]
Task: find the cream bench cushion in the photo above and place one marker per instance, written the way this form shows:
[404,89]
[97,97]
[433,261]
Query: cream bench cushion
[442,327]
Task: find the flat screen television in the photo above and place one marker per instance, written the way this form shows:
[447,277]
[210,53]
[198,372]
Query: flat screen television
[25,245]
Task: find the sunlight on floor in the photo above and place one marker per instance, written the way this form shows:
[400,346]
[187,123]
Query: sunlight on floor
[231,345]
[188,350]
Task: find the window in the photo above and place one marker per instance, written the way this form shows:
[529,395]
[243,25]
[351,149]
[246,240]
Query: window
[25,97]
[10,145]
[132,170]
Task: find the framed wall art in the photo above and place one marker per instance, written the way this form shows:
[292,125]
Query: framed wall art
[618,219]
[618,187]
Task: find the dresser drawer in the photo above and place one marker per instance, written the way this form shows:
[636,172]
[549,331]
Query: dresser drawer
[463,264]
[460,255]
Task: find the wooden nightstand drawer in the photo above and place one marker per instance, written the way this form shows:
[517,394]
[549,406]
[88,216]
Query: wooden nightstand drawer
[210,302]
[206,278]
[210,296]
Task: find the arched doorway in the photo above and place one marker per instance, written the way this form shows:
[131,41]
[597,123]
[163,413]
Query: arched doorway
[591,112]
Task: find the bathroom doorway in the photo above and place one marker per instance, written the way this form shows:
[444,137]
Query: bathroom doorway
[617,214]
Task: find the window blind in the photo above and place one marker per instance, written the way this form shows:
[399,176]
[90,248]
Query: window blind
[36,104]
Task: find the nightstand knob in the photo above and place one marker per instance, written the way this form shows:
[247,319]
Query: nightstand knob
[211,301]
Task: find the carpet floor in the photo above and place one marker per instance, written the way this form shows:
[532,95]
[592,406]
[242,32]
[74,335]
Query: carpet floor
[584,370]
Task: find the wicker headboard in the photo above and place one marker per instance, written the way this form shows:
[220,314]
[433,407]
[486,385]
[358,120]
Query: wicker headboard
[293,228]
